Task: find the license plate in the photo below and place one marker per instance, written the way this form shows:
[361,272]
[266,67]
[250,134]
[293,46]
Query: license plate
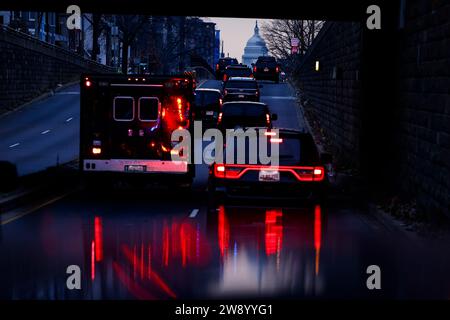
[135,168]
[241,96]
[266,69]
[269,175]
[209,113]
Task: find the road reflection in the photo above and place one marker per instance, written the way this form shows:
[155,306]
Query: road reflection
[266,252]
[237,251]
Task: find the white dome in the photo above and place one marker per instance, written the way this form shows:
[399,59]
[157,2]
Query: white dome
[256,47]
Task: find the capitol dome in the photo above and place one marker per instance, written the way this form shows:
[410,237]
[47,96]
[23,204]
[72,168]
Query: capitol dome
[256,47]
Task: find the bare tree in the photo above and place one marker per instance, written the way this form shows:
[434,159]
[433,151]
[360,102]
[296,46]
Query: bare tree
[279,33]
[129,29]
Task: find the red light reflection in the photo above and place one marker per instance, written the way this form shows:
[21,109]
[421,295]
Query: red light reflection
[274,231]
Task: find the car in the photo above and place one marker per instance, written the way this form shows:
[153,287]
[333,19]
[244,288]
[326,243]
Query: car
[266,68]
[244,114]
[301,171]
[222,64]
[237,71]
[241,89]
[208,103]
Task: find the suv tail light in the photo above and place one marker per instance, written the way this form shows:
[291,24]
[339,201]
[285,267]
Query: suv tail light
[310,173]
[219,119]
[223,171]
[254,69]
[217,67]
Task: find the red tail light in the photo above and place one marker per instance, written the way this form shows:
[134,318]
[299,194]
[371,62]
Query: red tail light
[236,171]
[224,77]
[254,69]
[217,67]
[277,69]
[96,150]
[219,119]
[268,119]
[88,83]
[228,172]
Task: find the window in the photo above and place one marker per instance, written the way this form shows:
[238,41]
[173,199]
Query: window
[123,108]
[149,108]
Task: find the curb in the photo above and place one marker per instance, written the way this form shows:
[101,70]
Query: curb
[39,98]
[38,186]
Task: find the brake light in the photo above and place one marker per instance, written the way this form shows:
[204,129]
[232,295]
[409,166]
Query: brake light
[318,172]
[222,171]
[236,171]
[224,77]
[219,119]
[88,83]
[96,150]
[276,140]
[277,69]
[270,133]
[268,119]
[254,69]
[220,101]
[217,67]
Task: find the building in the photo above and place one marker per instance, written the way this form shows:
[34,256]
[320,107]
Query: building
[256,46]
[217,47]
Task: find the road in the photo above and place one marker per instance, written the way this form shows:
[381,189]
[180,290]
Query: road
[160,244]
[43,134]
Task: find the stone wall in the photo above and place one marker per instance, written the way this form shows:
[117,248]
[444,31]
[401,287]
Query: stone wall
[333,92]
[413,124]
[29,68]
[423,134]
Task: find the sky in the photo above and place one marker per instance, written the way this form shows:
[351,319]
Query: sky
[235,32]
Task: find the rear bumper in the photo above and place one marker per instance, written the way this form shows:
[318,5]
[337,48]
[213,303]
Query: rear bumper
[268,190]
[266,76]
[124,166]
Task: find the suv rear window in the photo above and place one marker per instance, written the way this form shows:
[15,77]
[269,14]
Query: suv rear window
[241,84]
[204,98]
[266,59]
[123,108]
[244,115]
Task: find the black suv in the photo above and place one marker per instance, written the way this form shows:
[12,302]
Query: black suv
[222,64]
[237,71]
[241,89]
[266,68]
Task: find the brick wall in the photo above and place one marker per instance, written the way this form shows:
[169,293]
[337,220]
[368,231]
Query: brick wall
[29,68]
[423,136]
[415,121]
[333,92]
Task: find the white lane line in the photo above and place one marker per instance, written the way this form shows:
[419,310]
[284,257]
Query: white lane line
[14,145]
[46,131]
[69,119]
[194,213]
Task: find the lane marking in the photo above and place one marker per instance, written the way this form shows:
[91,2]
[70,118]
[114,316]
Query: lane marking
[67,93]
[194,213]
[69,119]
[46,131]
[14,145]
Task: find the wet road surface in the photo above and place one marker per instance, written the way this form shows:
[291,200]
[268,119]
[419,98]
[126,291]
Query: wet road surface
[160,244]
